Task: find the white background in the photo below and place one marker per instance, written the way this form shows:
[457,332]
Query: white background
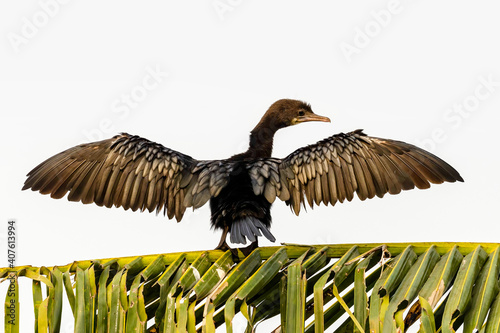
[398,69]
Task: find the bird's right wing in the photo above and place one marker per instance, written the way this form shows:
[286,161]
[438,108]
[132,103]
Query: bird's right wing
[131,172]
[334,169]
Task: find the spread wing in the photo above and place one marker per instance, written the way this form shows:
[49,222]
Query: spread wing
[335,168]
[130,172]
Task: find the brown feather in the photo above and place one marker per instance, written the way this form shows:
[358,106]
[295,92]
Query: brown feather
[405,175]
[134,195]
[358,170]
[332,183]
[38,176]
[143,191]
[340,184]
[59,188]
[325,188]
[370,186]
[45,175]
[151,203]
[317,189]
[392,186]
[90,183]
[333,169]
[295,200]
[83,182]
[160,195]
[111,172]
[57,176]
[349,190]
[111,185]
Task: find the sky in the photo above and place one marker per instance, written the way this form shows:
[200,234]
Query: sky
[197,77]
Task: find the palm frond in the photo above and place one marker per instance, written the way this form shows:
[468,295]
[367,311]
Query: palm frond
[382,287]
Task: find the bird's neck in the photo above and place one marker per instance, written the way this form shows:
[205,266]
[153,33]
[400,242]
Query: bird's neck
[261,144]
[261,139]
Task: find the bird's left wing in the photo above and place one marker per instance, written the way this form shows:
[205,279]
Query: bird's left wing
[335,168]
[130,172]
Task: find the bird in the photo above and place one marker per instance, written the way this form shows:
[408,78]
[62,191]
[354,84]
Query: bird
[135,173]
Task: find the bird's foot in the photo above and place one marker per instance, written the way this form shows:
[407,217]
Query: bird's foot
[247,250]
[234,251]
[223,246]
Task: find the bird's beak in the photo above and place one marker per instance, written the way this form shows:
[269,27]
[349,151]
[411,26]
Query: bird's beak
[312,117]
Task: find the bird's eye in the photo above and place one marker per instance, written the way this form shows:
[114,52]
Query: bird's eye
[301,113]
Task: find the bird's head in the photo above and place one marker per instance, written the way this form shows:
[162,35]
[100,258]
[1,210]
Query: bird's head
[288,112]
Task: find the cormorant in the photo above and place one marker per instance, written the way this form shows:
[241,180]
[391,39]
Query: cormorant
[133,172]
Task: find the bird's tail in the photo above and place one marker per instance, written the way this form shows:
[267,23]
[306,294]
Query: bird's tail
[251,228]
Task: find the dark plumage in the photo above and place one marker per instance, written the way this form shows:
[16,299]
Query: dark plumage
[132,172]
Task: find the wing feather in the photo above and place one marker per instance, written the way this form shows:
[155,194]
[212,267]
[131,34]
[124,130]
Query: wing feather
[370,186]
[134,195]
[349,189]
[318,192]
[335,168]
[333,184]
[77,191]
[46,177]
[383,175]
[90,184]
[360,175]
[58,183]
[325,188]
[131,172]
[39,174]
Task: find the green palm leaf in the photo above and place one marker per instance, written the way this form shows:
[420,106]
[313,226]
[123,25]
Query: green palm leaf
[309,287]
